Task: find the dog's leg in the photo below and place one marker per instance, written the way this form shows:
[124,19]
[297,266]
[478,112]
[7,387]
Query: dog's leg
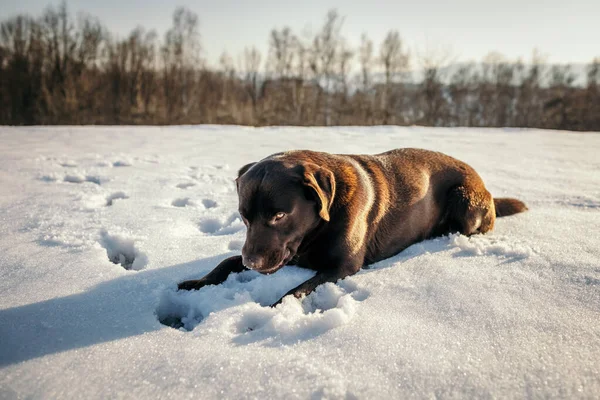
[217,275]
[310,285]
[471,209]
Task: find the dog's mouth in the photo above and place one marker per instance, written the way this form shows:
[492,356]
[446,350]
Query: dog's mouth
[287,256]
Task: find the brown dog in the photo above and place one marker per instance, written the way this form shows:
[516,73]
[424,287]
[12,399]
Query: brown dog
[337,213]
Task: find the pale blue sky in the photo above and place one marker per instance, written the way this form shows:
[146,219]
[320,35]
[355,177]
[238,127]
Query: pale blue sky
[566,31]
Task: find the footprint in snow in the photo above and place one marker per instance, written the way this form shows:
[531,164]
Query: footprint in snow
[74,178]
[208,203]
[110,199]
[210,178]
[185,185]
[123,250]
[49,177]
[186,201]
[217,227]
[182,202]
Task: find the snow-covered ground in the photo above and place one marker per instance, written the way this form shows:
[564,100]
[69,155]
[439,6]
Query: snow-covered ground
[98,224]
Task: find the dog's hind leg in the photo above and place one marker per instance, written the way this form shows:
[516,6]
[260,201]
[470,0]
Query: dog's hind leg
[217,275]
[470,208]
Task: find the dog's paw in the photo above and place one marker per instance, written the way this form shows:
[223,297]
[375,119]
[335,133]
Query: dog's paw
[278,302]
[299,294]
[191,285]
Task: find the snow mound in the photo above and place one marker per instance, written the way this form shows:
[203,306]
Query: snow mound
[122,250]
[479,245]
[458,245]
[240,307]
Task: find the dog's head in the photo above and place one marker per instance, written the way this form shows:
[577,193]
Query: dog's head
[280,203]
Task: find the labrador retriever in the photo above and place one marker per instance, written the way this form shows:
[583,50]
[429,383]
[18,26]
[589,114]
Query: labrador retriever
[338,213]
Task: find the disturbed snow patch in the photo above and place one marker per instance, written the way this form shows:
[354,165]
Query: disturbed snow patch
[70,239]
[467,246]
[122,250]
[240,307]
[478,245]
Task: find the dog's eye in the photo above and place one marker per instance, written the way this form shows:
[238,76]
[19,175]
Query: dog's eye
[279,216]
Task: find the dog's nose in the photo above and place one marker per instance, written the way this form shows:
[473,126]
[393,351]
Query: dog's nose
[252,262]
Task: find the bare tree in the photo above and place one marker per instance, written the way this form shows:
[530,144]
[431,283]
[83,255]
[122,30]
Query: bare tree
[341,91]
[364,98]
[529,104]
[59,70]
[366,60]
[281,52]
[559,108]
[251,69]
[60,43]
[326,49]
[131,65]
[21,67]
[181,56]
[464,106]
[432,96]
[90,38]
[592,98]
[394,60]
[497,91]
[301,73]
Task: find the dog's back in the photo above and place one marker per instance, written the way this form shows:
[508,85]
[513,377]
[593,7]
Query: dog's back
[391,200]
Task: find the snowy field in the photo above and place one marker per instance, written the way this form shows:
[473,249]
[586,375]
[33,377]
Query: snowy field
[98,224]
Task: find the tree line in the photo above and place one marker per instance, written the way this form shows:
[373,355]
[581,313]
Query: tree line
[60,69]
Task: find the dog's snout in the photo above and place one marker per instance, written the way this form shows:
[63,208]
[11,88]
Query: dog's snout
[253,262]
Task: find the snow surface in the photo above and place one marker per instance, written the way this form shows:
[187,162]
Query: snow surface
[98,224]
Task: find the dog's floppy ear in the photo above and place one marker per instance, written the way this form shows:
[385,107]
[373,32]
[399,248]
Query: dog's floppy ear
[241,172]
[245,168]
[322,182]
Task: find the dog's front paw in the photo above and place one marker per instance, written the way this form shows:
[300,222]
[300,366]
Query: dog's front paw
[278,302]
[191,285]
[296,294]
